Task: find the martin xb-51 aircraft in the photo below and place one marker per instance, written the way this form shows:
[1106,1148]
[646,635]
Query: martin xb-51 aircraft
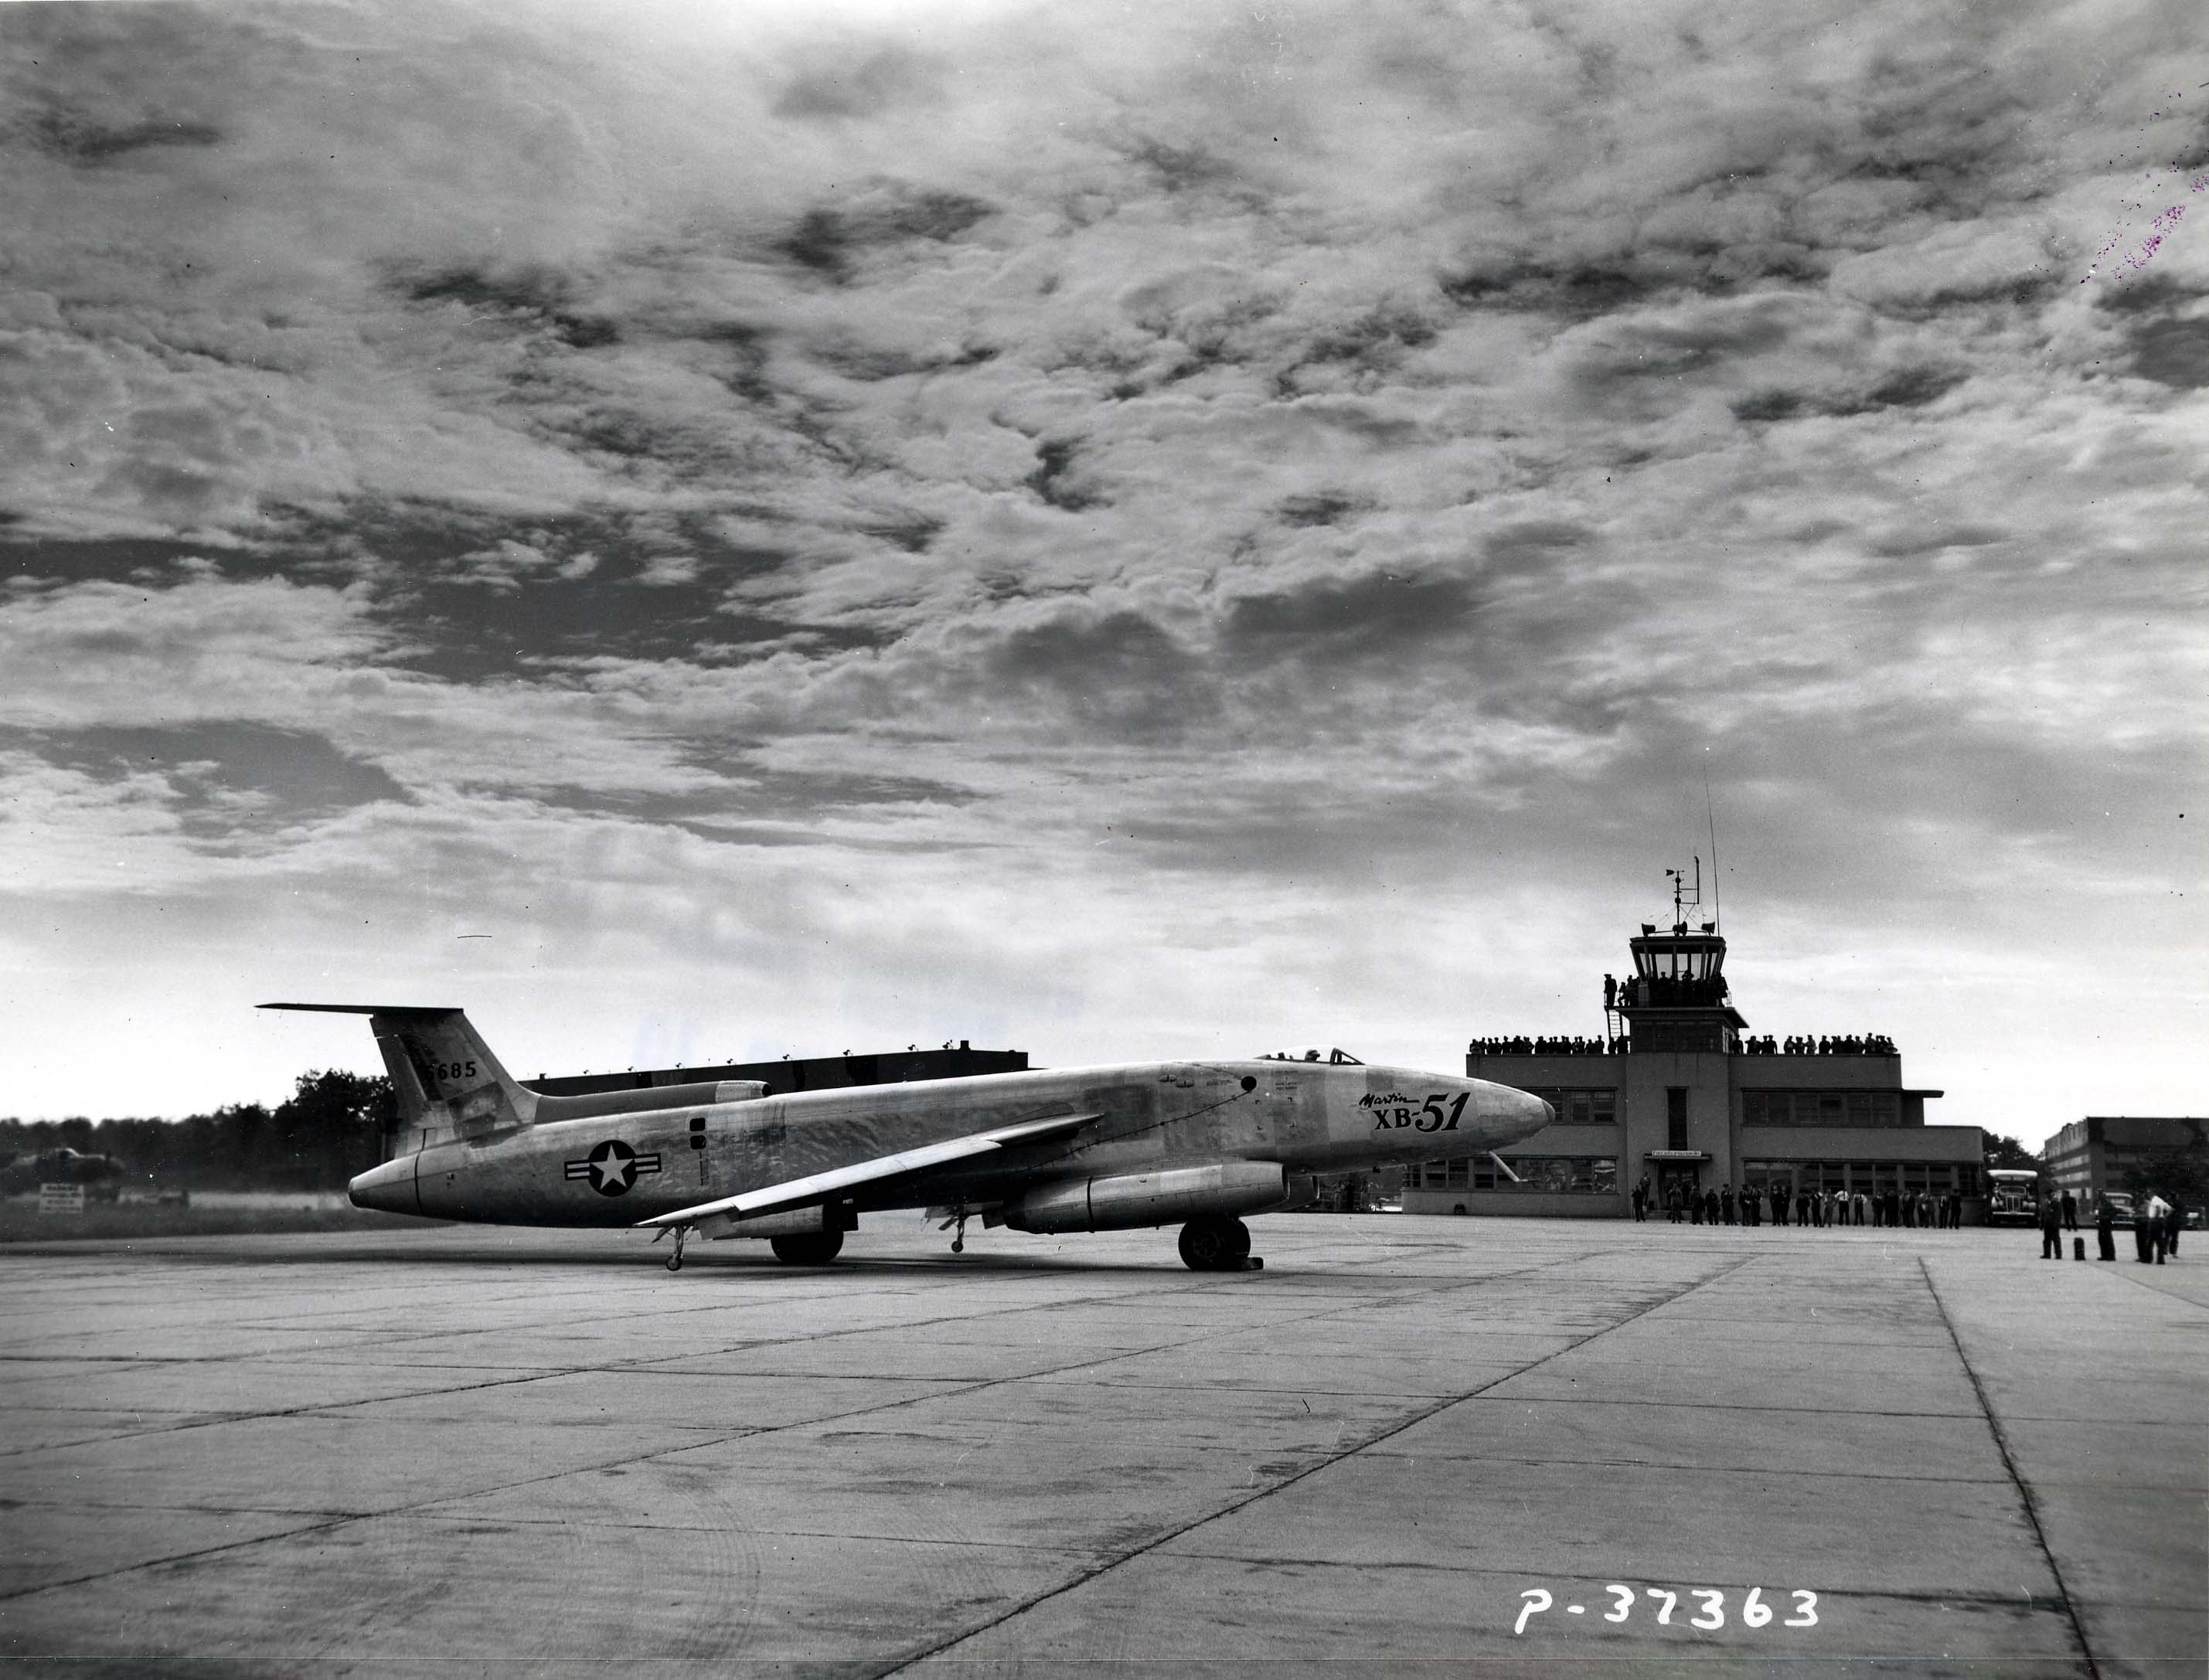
[1199,1144]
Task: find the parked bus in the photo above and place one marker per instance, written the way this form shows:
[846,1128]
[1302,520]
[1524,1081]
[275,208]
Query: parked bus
[2013,1195]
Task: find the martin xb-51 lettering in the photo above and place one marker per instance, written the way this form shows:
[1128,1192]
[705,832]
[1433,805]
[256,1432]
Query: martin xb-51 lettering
[1196,1144]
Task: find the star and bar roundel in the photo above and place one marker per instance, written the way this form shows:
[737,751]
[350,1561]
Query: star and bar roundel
[613,1166]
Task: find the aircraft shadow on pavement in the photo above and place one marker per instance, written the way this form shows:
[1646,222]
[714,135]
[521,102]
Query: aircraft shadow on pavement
[615,1260]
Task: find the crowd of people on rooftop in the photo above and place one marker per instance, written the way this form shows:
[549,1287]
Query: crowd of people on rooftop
[1866,1044]
[1850,1043]
[1570,1046]
[1722,1204]
[1666,990]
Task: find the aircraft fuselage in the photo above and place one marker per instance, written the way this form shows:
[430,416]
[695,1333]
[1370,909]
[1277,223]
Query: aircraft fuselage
[618,1169]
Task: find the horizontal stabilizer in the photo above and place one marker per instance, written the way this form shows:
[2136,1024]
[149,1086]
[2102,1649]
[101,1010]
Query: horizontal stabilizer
[362,1008]
[823,1186]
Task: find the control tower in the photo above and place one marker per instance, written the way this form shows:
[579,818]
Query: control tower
[1677,997]
[1677,1094]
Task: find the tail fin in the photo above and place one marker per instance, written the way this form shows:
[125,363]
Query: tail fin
[447,1082]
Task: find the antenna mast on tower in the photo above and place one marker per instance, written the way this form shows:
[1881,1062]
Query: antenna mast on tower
[1709,811]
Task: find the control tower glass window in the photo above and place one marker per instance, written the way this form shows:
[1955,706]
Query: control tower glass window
[1679,961]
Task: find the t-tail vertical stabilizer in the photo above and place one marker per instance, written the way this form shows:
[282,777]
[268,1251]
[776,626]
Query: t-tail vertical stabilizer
[447,1083]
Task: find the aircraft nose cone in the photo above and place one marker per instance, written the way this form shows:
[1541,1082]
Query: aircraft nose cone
[1529,1114]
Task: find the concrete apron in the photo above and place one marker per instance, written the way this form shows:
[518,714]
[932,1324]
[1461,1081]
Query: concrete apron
[431,1450]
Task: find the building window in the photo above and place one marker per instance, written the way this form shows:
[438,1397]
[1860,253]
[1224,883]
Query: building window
[1864,1178]
[1549,1175]
[1674,1035]
[1562,1175]
[1676,1117]
[1821,1108]
[1577,1107]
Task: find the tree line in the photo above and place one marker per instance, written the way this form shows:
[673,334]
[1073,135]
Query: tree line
[331,1127]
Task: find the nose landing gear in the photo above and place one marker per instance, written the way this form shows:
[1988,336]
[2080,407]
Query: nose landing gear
[1216,1243]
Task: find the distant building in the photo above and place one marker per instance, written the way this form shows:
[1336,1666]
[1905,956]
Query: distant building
[2093,1156]
[812,1073]
[1676,1089]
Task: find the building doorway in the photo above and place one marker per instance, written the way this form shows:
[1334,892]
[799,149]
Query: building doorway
[1683,1174]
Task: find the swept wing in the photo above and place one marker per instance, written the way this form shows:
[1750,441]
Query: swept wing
[795,1193]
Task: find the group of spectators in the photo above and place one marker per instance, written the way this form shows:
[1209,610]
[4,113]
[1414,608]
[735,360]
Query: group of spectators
[1548,1047]
[1723,1205]
[1849,1044]
[1870,1044]
[2154,1228]
[1664,991]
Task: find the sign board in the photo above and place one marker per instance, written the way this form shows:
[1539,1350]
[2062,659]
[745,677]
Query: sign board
[1676,1154]
[61,1198]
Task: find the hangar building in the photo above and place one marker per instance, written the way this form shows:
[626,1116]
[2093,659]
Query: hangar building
[1679,1090]
[812,1073]
[2098,1153]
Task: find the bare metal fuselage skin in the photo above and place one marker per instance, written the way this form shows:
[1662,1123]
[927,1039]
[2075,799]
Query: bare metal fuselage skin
[619,1169]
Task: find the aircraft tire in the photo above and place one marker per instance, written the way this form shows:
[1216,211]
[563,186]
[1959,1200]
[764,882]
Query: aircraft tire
[812,1247]
[1208,1244]
[1240,1250]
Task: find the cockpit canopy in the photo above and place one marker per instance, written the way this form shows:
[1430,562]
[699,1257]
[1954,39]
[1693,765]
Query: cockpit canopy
[1333,1059]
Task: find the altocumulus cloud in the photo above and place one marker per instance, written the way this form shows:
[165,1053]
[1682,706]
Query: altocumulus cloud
[1012,520]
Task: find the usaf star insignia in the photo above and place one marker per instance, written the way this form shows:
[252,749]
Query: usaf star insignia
[612,1167]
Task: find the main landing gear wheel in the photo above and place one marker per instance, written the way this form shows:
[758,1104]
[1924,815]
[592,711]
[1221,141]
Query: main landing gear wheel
[674,1260]
[1215,1243]
[811,1248]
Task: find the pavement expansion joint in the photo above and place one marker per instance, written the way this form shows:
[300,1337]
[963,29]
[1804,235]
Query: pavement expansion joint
[2009,1463]
[1229,1509]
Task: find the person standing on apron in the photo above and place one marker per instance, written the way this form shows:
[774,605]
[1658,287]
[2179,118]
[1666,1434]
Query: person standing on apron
[2105,1233]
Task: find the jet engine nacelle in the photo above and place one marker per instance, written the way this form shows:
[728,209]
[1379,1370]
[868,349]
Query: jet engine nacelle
[1127,1200]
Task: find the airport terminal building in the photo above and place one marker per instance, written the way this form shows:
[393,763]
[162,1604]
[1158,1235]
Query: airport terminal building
[1679,1090]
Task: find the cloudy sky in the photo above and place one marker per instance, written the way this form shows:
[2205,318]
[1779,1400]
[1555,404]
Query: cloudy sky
[701,532]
